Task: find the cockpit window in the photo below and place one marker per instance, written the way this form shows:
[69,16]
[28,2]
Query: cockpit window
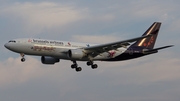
[12,41]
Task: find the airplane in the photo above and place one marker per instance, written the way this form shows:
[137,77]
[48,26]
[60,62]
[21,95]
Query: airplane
[51,51]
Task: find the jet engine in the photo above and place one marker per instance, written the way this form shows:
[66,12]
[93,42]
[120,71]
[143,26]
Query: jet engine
[49,60]
[76,54]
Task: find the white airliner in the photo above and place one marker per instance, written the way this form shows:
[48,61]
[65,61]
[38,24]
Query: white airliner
[51,51]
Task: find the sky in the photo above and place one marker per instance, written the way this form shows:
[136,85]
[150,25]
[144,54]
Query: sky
[151,78]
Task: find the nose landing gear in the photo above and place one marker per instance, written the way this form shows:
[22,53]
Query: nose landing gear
[22,59]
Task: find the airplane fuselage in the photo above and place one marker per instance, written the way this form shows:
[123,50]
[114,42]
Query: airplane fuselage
[57,49]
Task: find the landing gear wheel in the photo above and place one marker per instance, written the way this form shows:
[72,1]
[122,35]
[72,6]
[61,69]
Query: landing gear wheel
[74,66]
[78,69]
[89,63]
[23,59]
[94,66]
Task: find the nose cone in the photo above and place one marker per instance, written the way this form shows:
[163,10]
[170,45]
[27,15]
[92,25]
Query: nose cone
[6,45]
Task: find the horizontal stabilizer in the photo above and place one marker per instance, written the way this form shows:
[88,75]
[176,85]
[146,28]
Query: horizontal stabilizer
[156,49]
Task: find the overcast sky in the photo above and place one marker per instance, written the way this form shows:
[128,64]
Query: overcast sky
[150,78]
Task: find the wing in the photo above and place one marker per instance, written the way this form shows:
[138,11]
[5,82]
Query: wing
[96,50]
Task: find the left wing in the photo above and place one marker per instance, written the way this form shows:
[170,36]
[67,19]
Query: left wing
[96,50]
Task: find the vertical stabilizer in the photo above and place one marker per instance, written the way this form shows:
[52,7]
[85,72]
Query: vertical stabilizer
[150,41]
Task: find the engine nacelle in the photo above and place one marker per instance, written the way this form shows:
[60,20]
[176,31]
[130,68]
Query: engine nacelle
[49,60]
[76,54]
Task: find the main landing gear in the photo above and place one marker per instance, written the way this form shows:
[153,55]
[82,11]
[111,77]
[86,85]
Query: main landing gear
[93,66]
[22,59]
[75,66]
[78,69]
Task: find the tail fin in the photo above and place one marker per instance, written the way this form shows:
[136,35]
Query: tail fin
[150,41]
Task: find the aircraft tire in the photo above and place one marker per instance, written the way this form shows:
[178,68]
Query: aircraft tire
[74,66]
[23,59]
[78,69]
[94,66]
[89,63]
